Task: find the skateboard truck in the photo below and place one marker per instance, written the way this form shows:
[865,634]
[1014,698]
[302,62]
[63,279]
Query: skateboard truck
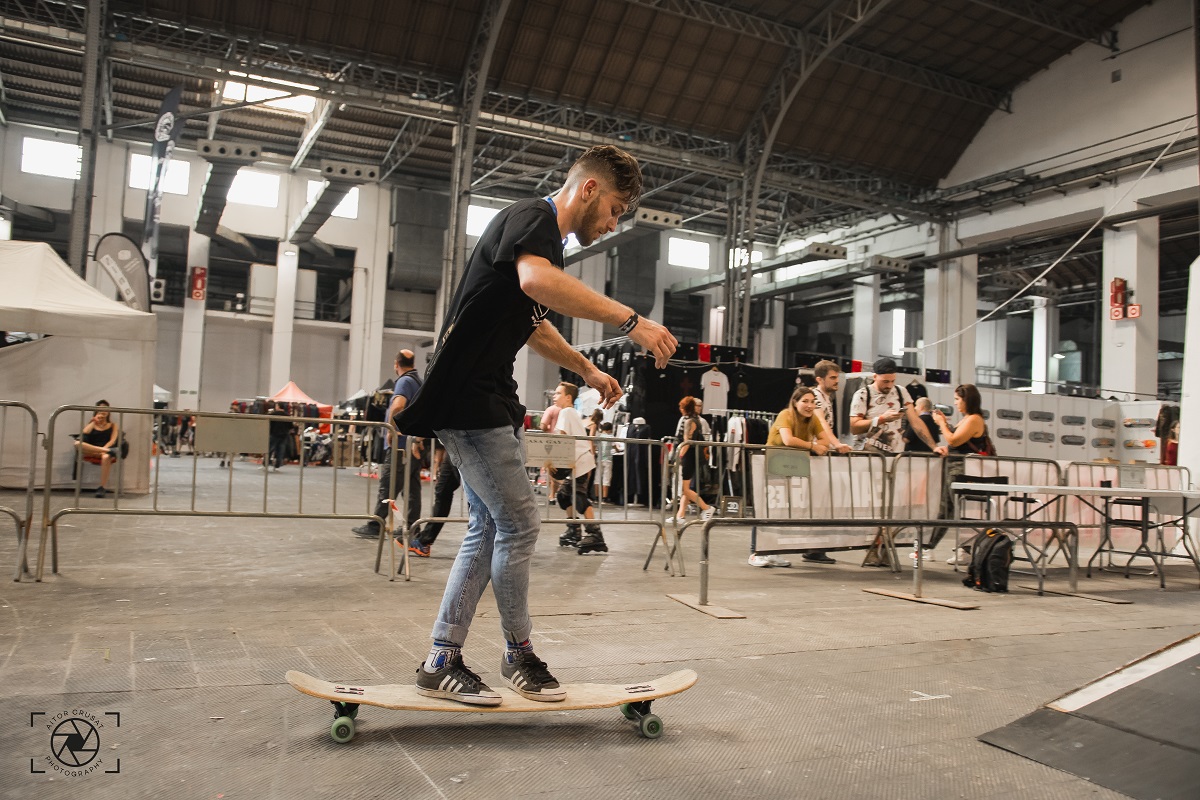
[649,725]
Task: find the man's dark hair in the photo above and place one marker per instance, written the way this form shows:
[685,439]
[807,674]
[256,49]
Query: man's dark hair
[102,403]
[618,166]
[405,358]
[825,368]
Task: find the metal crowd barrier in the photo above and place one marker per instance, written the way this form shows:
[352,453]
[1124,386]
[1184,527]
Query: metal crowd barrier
[795,485]
[1087,473]
[215,433]
[1072,537]
[545,451]
[23,523]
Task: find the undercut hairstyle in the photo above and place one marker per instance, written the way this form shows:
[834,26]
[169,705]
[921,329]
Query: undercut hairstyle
[825,368]
[405,358]
[570,389]
[614,164]
[687,406]
[972,401]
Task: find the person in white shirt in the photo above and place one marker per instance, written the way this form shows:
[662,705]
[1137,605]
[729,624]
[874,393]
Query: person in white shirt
[574,483]
[876,412]
[828,375]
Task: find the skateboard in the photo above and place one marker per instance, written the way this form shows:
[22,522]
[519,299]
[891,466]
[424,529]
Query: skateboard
[633,698]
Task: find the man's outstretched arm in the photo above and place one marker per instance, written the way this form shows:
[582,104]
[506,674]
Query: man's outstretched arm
[548,343]
[555,289]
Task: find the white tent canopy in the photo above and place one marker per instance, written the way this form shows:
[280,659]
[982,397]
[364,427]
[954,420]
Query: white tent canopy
[43,295]
[96,348]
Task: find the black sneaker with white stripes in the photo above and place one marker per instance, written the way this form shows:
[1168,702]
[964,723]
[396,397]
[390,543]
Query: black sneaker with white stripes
[455,682]
[529,677]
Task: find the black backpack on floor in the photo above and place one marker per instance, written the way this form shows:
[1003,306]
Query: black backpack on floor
[991,556]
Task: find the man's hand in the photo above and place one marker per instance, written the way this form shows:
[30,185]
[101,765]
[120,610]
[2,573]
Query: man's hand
[941,450]
[610,391]
[889,416]
[655,338]
[418,446]
[842,447]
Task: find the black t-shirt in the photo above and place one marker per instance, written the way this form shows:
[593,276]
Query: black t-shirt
[913,443]
[469,381]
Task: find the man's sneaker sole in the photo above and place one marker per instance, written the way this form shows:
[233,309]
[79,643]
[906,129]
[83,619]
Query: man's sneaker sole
[469,699]
[544,696]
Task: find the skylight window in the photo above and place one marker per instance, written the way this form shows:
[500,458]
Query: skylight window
[238,92]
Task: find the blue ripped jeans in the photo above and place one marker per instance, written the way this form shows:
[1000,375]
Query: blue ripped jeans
[502,530]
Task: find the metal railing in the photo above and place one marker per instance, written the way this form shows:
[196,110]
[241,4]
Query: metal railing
[23,521]
[545,451]
[216,433]
[918,525]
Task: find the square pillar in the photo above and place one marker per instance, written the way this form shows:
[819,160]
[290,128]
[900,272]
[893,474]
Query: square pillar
[951,300]
[1129,347]
[191,335]
[865,342]
[1045,344]
[283,324]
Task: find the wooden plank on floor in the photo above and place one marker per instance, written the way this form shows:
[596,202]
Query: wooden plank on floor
[934,601]
[1101,598]
[692,601]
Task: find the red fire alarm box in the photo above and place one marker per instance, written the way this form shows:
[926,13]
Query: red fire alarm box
[198,282]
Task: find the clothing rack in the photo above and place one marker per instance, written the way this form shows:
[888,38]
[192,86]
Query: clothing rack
[769,416]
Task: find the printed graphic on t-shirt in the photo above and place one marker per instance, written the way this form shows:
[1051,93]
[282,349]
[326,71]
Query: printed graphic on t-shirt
[716,390]
[871,403]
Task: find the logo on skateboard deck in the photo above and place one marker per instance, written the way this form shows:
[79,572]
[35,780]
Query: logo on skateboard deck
[639,688]
[349,690]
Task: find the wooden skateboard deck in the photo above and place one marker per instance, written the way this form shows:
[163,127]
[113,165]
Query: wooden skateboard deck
[634,699]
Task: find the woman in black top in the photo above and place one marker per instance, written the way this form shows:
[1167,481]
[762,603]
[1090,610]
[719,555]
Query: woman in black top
[98,444]
[969,436]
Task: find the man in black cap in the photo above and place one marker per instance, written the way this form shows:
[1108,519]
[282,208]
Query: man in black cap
[876,411]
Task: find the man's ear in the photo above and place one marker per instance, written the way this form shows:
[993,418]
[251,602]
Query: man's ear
[589,188]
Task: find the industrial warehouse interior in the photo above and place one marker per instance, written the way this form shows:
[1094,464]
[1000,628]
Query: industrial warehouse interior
[236,238]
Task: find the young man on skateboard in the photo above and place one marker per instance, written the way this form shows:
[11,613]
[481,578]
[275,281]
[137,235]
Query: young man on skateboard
[514,277]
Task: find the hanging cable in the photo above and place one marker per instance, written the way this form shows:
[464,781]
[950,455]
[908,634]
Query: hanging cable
[1187,124]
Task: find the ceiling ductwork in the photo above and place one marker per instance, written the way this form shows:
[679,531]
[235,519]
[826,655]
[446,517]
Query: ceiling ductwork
[340,177]
[225,159]
[645,220]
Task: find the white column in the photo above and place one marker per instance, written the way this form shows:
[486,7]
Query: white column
[283,324]
[368,300]
[1189,404]
[865,343]
[191,335]
[1129,347]
[1045,343]
[951,298]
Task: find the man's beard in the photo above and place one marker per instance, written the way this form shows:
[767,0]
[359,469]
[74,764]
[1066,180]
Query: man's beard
[588,229]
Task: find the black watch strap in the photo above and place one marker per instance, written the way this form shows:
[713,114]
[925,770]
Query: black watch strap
[629,324]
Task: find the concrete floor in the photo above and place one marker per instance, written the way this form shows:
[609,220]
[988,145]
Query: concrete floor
[185,626]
